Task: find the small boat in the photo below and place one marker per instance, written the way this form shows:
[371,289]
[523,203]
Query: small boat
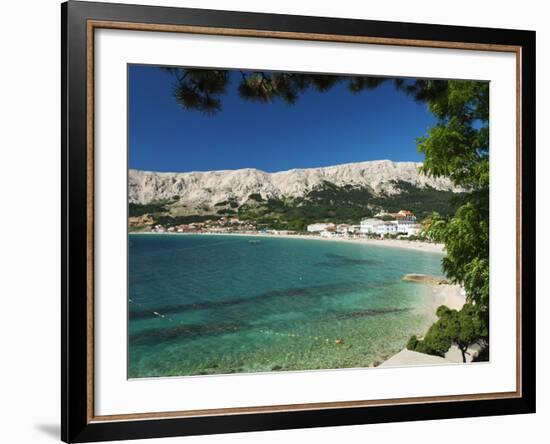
[254,241]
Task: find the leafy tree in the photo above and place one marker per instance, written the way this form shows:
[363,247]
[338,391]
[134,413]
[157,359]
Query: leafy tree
[458,147]
[463,328]
[470,328]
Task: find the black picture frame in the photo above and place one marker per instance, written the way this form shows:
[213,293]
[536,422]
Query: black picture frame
[76,423]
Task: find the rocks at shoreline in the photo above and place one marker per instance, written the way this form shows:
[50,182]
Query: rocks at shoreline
[425,279]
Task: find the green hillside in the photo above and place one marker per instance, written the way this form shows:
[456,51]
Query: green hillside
[331,203]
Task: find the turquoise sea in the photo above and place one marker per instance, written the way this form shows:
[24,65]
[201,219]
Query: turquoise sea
[218,304]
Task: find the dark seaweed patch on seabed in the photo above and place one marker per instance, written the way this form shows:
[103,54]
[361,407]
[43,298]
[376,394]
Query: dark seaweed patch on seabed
[155,336]
[161,335]
[338,260]
[293,292]
[367,313]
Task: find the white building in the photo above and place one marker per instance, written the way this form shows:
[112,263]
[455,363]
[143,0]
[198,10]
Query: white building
[403,226]
[344,228]
[159,229]
[318,227]
[408,227]
[404,223]
[370,225]
[414,229]
[281,232]
[390,227]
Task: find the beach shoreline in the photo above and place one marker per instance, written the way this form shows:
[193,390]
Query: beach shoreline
[450,295]
[426,247]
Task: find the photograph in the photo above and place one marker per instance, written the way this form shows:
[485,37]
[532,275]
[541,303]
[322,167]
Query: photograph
[292,221]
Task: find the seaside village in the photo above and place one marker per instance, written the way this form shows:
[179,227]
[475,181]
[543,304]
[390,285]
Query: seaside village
[400,224]
[382,224]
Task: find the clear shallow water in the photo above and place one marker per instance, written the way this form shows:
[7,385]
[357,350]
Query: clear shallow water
[203,304]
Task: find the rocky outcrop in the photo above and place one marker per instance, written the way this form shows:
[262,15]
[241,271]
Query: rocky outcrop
[425,279]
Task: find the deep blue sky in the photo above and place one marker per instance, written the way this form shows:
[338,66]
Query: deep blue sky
[321,129]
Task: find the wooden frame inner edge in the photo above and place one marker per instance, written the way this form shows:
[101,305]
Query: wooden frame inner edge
[95,24]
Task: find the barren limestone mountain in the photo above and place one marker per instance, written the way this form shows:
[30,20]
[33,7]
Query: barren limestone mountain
[203,191]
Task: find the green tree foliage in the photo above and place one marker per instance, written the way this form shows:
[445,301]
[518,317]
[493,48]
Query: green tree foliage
[135,209]
[463,328]
[466,238]
[458,147]
[256,197]
[421,201]
[341,204]
[172,221]
[202,89]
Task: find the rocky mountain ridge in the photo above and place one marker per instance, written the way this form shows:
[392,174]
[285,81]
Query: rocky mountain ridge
[202,191]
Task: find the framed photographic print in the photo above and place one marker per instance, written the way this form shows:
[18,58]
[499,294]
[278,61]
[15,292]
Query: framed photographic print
[277,221]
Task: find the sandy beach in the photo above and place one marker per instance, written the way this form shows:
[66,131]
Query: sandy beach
[454,297]
[394,243]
